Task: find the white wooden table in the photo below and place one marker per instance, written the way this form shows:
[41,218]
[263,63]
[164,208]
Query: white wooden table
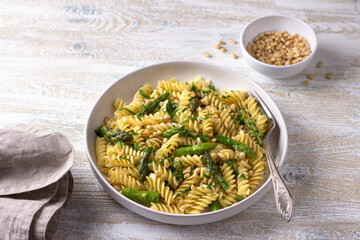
[57,57]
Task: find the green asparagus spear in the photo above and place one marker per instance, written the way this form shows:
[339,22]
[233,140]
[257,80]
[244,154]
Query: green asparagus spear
[236,144]
[146,109]
[195,149]
[214,206]
[213,170]
[143,166]
[194,103]
[141,196]
[184,133]
[252,126]
[114,136]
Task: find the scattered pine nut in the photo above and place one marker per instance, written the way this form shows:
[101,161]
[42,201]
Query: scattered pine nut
[232,41]
[221,43]
[329,76]
[234,56]
[305,83]
[166,163]
[319,64]
[223,50]
[242,155]
[218,46]
[310,76]
[206,54]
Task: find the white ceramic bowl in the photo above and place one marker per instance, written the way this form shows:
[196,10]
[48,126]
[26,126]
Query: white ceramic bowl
[277,23]
[184,71]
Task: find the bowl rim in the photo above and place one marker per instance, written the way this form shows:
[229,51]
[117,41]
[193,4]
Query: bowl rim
[264,187]
[242,45]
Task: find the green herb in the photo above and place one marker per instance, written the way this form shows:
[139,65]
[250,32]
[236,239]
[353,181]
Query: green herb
[184,109]
[210,185]
[131,112]
[212,88]
[193,88]
[242,176]
[143,94]
[132,132]
[136,146]
[205,92]
[238,198]
[171,108]
[229,162]
[241,118]
[125,158]
[191,117]
[207,176]
[207,116]
[185,121]
[166,89]
[176,169]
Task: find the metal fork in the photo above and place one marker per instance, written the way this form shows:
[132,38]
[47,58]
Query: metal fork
[282,195]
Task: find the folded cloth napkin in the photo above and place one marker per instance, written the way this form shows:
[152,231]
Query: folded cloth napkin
[35,182]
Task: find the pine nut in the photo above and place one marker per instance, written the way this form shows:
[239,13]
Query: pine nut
[310,76]
[232,41]
[329,76]
[319,64]
[206,54]
[305,83]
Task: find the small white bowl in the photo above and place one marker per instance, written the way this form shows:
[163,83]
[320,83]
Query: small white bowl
[277,23]
[222,78]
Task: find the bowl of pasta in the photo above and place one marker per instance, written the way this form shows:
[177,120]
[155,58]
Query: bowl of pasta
[182,142]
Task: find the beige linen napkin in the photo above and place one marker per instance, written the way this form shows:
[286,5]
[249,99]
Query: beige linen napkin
[35,182]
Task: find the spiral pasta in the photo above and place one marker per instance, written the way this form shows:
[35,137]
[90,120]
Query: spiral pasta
[168,117]
[166,208]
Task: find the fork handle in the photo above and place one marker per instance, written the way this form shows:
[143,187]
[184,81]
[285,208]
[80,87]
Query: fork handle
[283,198]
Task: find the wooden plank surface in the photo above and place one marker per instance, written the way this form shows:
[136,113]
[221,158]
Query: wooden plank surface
[57,57]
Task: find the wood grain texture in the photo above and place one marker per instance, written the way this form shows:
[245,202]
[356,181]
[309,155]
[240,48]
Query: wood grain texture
[57,57]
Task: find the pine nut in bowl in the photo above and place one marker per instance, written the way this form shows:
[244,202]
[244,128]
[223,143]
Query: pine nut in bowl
[278,46]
